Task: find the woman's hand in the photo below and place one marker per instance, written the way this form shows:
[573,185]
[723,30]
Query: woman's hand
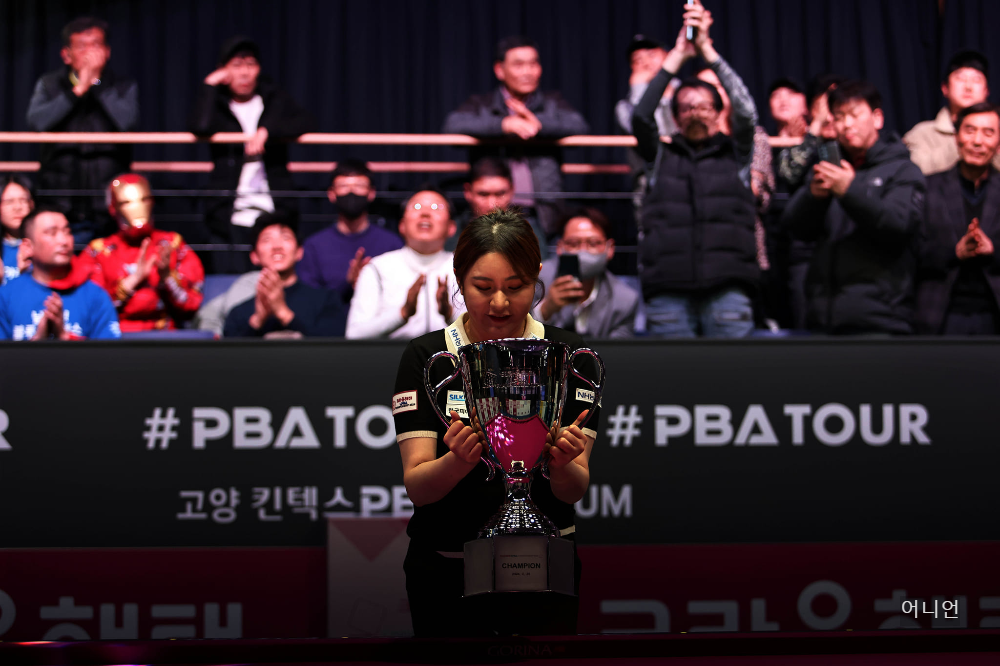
[567,444]
[463,441]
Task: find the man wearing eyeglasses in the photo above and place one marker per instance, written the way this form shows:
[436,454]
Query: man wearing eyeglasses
[411,291]
[595,303]
[697,248]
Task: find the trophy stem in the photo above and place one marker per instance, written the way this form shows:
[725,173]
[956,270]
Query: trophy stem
[518,515]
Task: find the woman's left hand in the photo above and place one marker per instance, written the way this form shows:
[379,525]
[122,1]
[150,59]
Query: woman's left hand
[567,444]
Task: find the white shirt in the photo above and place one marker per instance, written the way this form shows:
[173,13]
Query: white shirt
[252,190]
[381,291]
[582,311]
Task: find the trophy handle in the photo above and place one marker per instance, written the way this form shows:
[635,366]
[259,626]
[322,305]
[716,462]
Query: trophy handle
[599,386]
[434,390]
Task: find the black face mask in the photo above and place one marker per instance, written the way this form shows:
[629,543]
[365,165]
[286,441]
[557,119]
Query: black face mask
[352,206]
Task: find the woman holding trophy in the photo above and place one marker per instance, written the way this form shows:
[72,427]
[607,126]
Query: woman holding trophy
[453,489]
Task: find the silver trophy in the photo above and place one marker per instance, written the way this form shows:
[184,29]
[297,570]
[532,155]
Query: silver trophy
[515,394]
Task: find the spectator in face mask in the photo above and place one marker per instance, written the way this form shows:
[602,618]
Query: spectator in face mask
[334,257]
[595,304]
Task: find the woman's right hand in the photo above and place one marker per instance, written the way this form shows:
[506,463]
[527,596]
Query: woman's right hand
[463,441]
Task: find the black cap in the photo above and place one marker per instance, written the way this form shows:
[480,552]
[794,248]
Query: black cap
[785,82]
[643,42]
[236,45]
[968,58]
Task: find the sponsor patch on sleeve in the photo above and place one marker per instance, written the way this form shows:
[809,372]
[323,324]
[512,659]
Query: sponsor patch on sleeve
[404,402]
[584,395]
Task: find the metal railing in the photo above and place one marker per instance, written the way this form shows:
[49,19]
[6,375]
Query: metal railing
[325,139]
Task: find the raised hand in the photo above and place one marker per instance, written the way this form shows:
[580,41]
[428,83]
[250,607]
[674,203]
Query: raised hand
[221,76]
[567,444]
[52,324]
[463,441]
[262,301]
[443,299]
[410,306]
[255,146]
[564,290]
[984,246]
[520,126]
[354,267]
[23,258]
[161,260]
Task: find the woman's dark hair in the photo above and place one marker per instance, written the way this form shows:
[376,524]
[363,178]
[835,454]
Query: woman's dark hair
[18,179]
[506,232]
[24,182]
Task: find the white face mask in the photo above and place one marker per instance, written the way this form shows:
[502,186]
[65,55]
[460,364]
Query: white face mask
[591,264]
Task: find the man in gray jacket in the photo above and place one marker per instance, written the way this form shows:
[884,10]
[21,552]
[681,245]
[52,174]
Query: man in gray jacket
[84,96]
[520,111]
[595,303]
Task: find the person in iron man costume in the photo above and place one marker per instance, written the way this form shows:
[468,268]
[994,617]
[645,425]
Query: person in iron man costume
[154,279]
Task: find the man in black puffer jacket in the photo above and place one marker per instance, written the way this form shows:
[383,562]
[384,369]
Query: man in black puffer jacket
[237,98]
[83,96]
[697,249]
[864,213]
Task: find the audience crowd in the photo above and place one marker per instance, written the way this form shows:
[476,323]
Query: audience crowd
[833,226]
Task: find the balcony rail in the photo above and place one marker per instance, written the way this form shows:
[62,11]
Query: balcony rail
[325,139]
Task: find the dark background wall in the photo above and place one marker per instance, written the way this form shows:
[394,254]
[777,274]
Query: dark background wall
[400,66]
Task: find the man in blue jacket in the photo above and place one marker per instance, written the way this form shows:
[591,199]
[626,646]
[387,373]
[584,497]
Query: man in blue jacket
[56,300]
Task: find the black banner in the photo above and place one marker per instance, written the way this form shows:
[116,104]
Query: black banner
[254,444]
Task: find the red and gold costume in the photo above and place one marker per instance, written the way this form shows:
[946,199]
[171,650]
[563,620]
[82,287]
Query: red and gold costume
[155,303]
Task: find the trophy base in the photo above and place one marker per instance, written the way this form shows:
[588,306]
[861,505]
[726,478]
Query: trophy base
[519,563]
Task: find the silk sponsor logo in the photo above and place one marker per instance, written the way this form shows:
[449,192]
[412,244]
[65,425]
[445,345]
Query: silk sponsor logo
[456,402]
[584,395]
[404,402]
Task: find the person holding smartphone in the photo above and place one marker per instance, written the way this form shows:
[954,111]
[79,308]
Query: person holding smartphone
[864,208]
[697,247]
[581,294]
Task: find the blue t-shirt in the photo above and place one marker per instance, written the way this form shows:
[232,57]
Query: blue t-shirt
[10,248]
[87,310]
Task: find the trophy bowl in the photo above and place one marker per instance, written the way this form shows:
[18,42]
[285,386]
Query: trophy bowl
[514,396]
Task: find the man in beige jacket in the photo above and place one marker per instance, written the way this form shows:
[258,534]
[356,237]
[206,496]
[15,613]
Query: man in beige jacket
[932,142]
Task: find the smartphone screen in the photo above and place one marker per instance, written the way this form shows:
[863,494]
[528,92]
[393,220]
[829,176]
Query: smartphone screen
[830,152]
[569,264]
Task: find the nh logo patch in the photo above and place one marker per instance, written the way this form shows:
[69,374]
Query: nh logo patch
[404,402]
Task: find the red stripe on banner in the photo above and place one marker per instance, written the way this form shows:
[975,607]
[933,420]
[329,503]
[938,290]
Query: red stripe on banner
[125,593]
[63,594]
[788,587]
